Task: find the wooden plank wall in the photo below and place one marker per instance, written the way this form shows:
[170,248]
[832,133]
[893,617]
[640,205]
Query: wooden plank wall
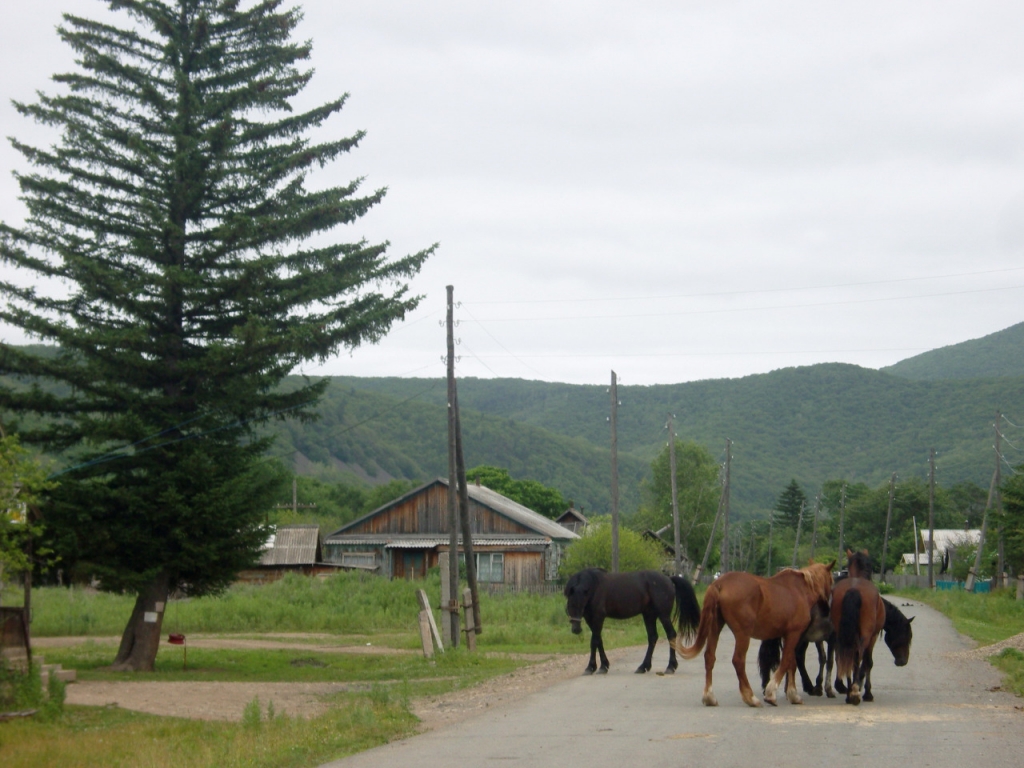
[427,512]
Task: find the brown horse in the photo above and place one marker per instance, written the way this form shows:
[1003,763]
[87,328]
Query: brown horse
[763,609]
[858,616]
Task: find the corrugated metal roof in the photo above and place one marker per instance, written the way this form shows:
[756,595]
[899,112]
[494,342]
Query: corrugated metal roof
[293,545]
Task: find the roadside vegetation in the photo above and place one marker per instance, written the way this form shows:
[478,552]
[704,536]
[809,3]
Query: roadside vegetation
[986,618]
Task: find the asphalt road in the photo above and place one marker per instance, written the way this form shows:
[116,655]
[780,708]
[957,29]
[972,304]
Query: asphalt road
[937,711]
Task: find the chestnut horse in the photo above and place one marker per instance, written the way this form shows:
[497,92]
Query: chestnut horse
[858,617]
[763,609]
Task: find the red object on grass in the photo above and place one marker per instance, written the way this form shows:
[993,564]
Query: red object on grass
[176,639]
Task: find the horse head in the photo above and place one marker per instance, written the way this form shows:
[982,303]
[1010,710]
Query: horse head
[898,634]
[859,564]
[578,591]
[819,579]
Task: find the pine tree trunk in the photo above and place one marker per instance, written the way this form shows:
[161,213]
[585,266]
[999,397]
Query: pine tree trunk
[141,638]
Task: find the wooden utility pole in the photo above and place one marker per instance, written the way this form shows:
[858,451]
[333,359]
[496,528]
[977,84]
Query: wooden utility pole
[467,533]
[615,474]
[771,524]
[725,507]
[452,605]
[675,495]
[842,520]
[295,506]
[931,519]
[799,524]
[711,541]
[814,527]
[1000,563]
[888,522]
[917,558]
[972,574]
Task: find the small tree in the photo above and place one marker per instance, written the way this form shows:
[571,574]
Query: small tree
[194,270]
[594,550]
[530,493]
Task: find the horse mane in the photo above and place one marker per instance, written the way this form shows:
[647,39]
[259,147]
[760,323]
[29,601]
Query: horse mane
[819,579]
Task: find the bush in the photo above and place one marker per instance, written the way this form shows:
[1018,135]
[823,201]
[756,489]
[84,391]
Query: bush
[594,550]
[24,690]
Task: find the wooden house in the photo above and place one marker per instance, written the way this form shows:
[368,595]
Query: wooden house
[291,549]
[514,547]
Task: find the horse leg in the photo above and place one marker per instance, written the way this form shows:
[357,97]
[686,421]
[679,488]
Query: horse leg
[868,664]
[708,698]
[651,623]
[853,694]
[786,670]
[595,642]
[820,647]
[739,663]
[801,658]
[600,649]
[670,635]
[830,691]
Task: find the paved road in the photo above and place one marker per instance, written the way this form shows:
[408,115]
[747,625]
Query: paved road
[934,712]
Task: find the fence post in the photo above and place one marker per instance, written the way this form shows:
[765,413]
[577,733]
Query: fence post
[470,630]
[1020,587]
[421,596]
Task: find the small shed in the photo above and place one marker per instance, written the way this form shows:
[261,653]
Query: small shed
[290,549]
[514,547]
[573,519]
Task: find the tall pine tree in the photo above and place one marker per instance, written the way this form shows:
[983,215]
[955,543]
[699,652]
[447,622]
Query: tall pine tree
[180,264]
[790,503]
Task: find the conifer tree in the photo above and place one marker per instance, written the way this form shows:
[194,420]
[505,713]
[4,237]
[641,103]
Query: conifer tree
[790,502]
[182,267]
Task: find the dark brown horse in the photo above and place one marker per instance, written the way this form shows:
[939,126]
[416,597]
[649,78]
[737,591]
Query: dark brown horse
[593,594]
[858,616]
[763,609]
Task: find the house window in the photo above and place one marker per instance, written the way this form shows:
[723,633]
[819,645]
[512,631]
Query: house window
[490,566]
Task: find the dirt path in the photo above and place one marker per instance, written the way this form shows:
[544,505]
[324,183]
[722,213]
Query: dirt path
[227,701]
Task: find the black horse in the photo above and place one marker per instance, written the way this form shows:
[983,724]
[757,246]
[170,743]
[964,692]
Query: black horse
[897,634]
[594,595]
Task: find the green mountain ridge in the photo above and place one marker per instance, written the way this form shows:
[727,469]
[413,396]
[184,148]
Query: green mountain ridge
[998,354]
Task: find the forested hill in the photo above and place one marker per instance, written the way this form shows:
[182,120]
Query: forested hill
[812,423]
[998,354]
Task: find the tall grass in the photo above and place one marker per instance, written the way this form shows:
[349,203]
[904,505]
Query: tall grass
[344,604]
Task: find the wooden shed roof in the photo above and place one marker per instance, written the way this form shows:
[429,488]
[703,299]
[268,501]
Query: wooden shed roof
[293,545]
[486,497]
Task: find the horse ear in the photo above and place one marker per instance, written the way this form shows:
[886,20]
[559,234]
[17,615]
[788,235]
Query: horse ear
[849,552]
[831,566]
[865,550]
[911,619]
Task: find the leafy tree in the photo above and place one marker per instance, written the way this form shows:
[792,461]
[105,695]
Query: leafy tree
[791,502]
[196,270]
[1013,521]
[697,491]
[531,494]
[23,481]
[594,550]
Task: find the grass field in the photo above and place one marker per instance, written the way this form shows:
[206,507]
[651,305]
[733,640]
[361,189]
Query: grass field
[346,609]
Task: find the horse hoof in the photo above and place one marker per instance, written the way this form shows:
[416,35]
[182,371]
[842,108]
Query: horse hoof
[770,701]
[589,671]
[710,701]
[868,697]
[754,702]
[816,691]
[603,671]
[641,670]
[670,670]
[830,693]
[795,699]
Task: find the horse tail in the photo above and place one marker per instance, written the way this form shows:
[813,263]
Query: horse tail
[687,612]
[848,636]
[769,656]
[708,616]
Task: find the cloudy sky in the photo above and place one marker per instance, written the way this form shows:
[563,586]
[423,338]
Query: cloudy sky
[675,191]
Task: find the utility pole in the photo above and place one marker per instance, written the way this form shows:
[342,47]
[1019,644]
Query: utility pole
[799,524]
[842,520]
[615,474]
[711,540]
[771,522]
[931,519]
[1000,563]
[972,574]
[675,495]
[295,506]
[725,507]
[814,528]
[467,533]
[888,521]
[453,542]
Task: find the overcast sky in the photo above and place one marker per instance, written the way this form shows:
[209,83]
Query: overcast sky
[675,191]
